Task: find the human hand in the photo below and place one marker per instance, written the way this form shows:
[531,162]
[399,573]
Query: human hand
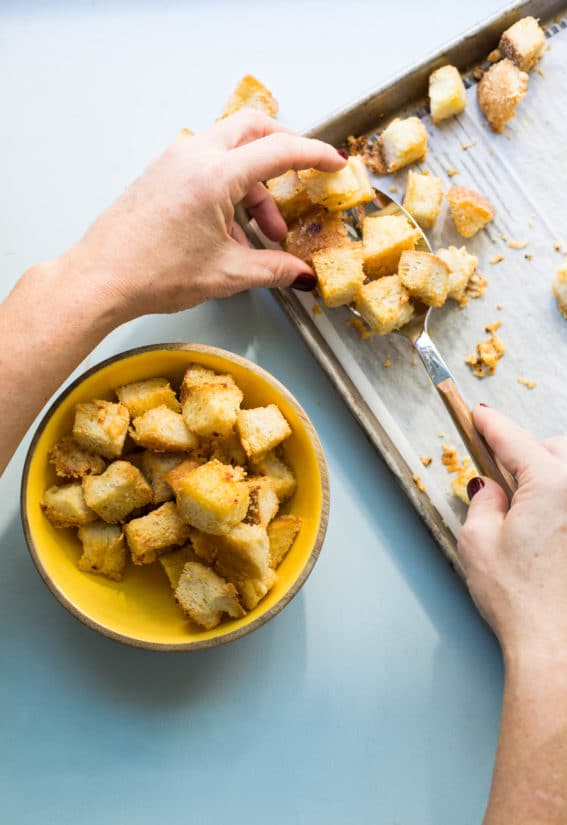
[171,241]
[515,557]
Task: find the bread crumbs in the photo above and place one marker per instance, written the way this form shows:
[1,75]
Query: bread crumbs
[388,362]
[393,189]
[464,470]
[494,56]
[517,244]
[466,146]
[426,460]
[476,286]
[360,327]
[418,483]
[528,257]
[488,353]
[316,309]
[452,172]
[531,385]
[497,259]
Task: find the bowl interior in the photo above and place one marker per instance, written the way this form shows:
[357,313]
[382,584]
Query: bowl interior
[141,609]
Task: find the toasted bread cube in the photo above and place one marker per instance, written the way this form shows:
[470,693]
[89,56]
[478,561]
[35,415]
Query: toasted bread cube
[403,142]
[205,545]
[204,596]
[384,238]
[149,536]
[462,266]
[341,190]
[261,429]
[163,430]
[470,210]
[73,461]
[209,410]
[279,473]
[118,491]
[339,273]
[282,533]
[560,288]
[155,467]
[213,497]
[523,43]
[425,276]
[289,194]
[385,304]
[101,427]
[174,562]
[502,87]
[176,475]
[423,198]
[315,230]
[252,94]
[264,503]
[142,396]
[252,591]
[446,93]
[195,375]
[104,550]
[229,450]
[65,506]
[244,553]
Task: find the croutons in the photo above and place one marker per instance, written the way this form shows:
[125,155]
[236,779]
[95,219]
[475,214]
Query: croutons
[282,533]
[174,562]
[176,475]
[385,304]
[244,553]
[289,194]
[205,546]
[209,410]
[142,396]
[315,230]
[118,491]
[502,87]
[279,473]
[65,506]
[403,142]
[155,467]
[340,190]
[261,429]
[462,266]
[384,238]
[425,276]
[150,535]
[214,497]
[560,288]
[101,427]
[252,591]
[104,550]
[523,43]
[252,94]
[204,596]
[195,375]
[470,210]
[423,198]
[264,503]
[163,430]
[339,274]
[73,461]
[446,93]
[229,451]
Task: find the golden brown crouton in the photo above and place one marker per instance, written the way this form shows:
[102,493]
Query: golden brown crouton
[384,238]
[446,93]
[104,550]
[470,210]
[339,273]
[214,497]
[425,276]
[101,427]
[205,546]
[195,375]
[560,288]
[163,430]
[462,266]
[523,43]
[279,473]
[174,562]
[423,198]
[175,476]
[315,230]
[252,94]
[264,503]
[261,429]
[403,142]
[65,506]
[244,553]
[155,467]
[142,396]
[209,410]
[229,450]
[252,591]
[385,304]
[341,190]
[204,596]
[73,461]
[118,491]
[501,89]
[282,533]
[148,536]
[289,194]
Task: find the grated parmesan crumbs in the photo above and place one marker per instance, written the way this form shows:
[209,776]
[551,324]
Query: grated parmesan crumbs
[531,385]
[517,244]
[497,259]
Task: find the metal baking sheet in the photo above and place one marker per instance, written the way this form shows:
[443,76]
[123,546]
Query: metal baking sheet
[523,173]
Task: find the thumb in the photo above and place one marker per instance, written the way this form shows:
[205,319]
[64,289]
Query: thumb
[487,511]
[272,268]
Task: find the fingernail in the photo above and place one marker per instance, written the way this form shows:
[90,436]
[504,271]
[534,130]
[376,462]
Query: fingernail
[305,283]
[342,153]
[474,486]
[482,404]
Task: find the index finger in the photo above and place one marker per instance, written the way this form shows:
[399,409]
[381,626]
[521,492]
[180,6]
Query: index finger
[515,447]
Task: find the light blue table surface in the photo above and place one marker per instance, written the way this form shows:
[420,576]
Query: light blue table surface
[374,697]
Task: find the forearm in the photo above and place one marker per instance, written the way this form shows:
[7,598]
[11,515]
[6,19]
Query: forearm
[52,319]
[530,776]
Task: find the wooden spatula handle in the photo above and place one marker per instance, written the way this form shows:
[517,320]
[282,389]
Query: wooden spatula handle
[480,451]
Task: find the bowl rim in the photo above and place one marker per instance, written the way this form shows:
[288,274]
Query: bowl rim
[265,617]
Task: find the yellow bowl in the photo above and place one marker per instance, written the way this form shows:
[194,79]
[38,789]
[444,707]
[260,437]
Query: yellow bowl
[140,610]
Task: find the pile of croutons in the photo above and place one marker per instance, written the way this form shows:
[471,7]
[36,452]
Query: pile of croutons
[195,483]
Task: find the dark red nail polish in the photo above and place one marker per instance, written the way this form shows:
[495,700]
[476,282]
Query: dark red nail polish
[342,153]
[474,486]
[482,404]
[305,283]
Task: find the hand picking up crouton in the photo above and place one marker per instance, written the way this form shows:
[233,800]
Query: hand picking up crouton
[200,495]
